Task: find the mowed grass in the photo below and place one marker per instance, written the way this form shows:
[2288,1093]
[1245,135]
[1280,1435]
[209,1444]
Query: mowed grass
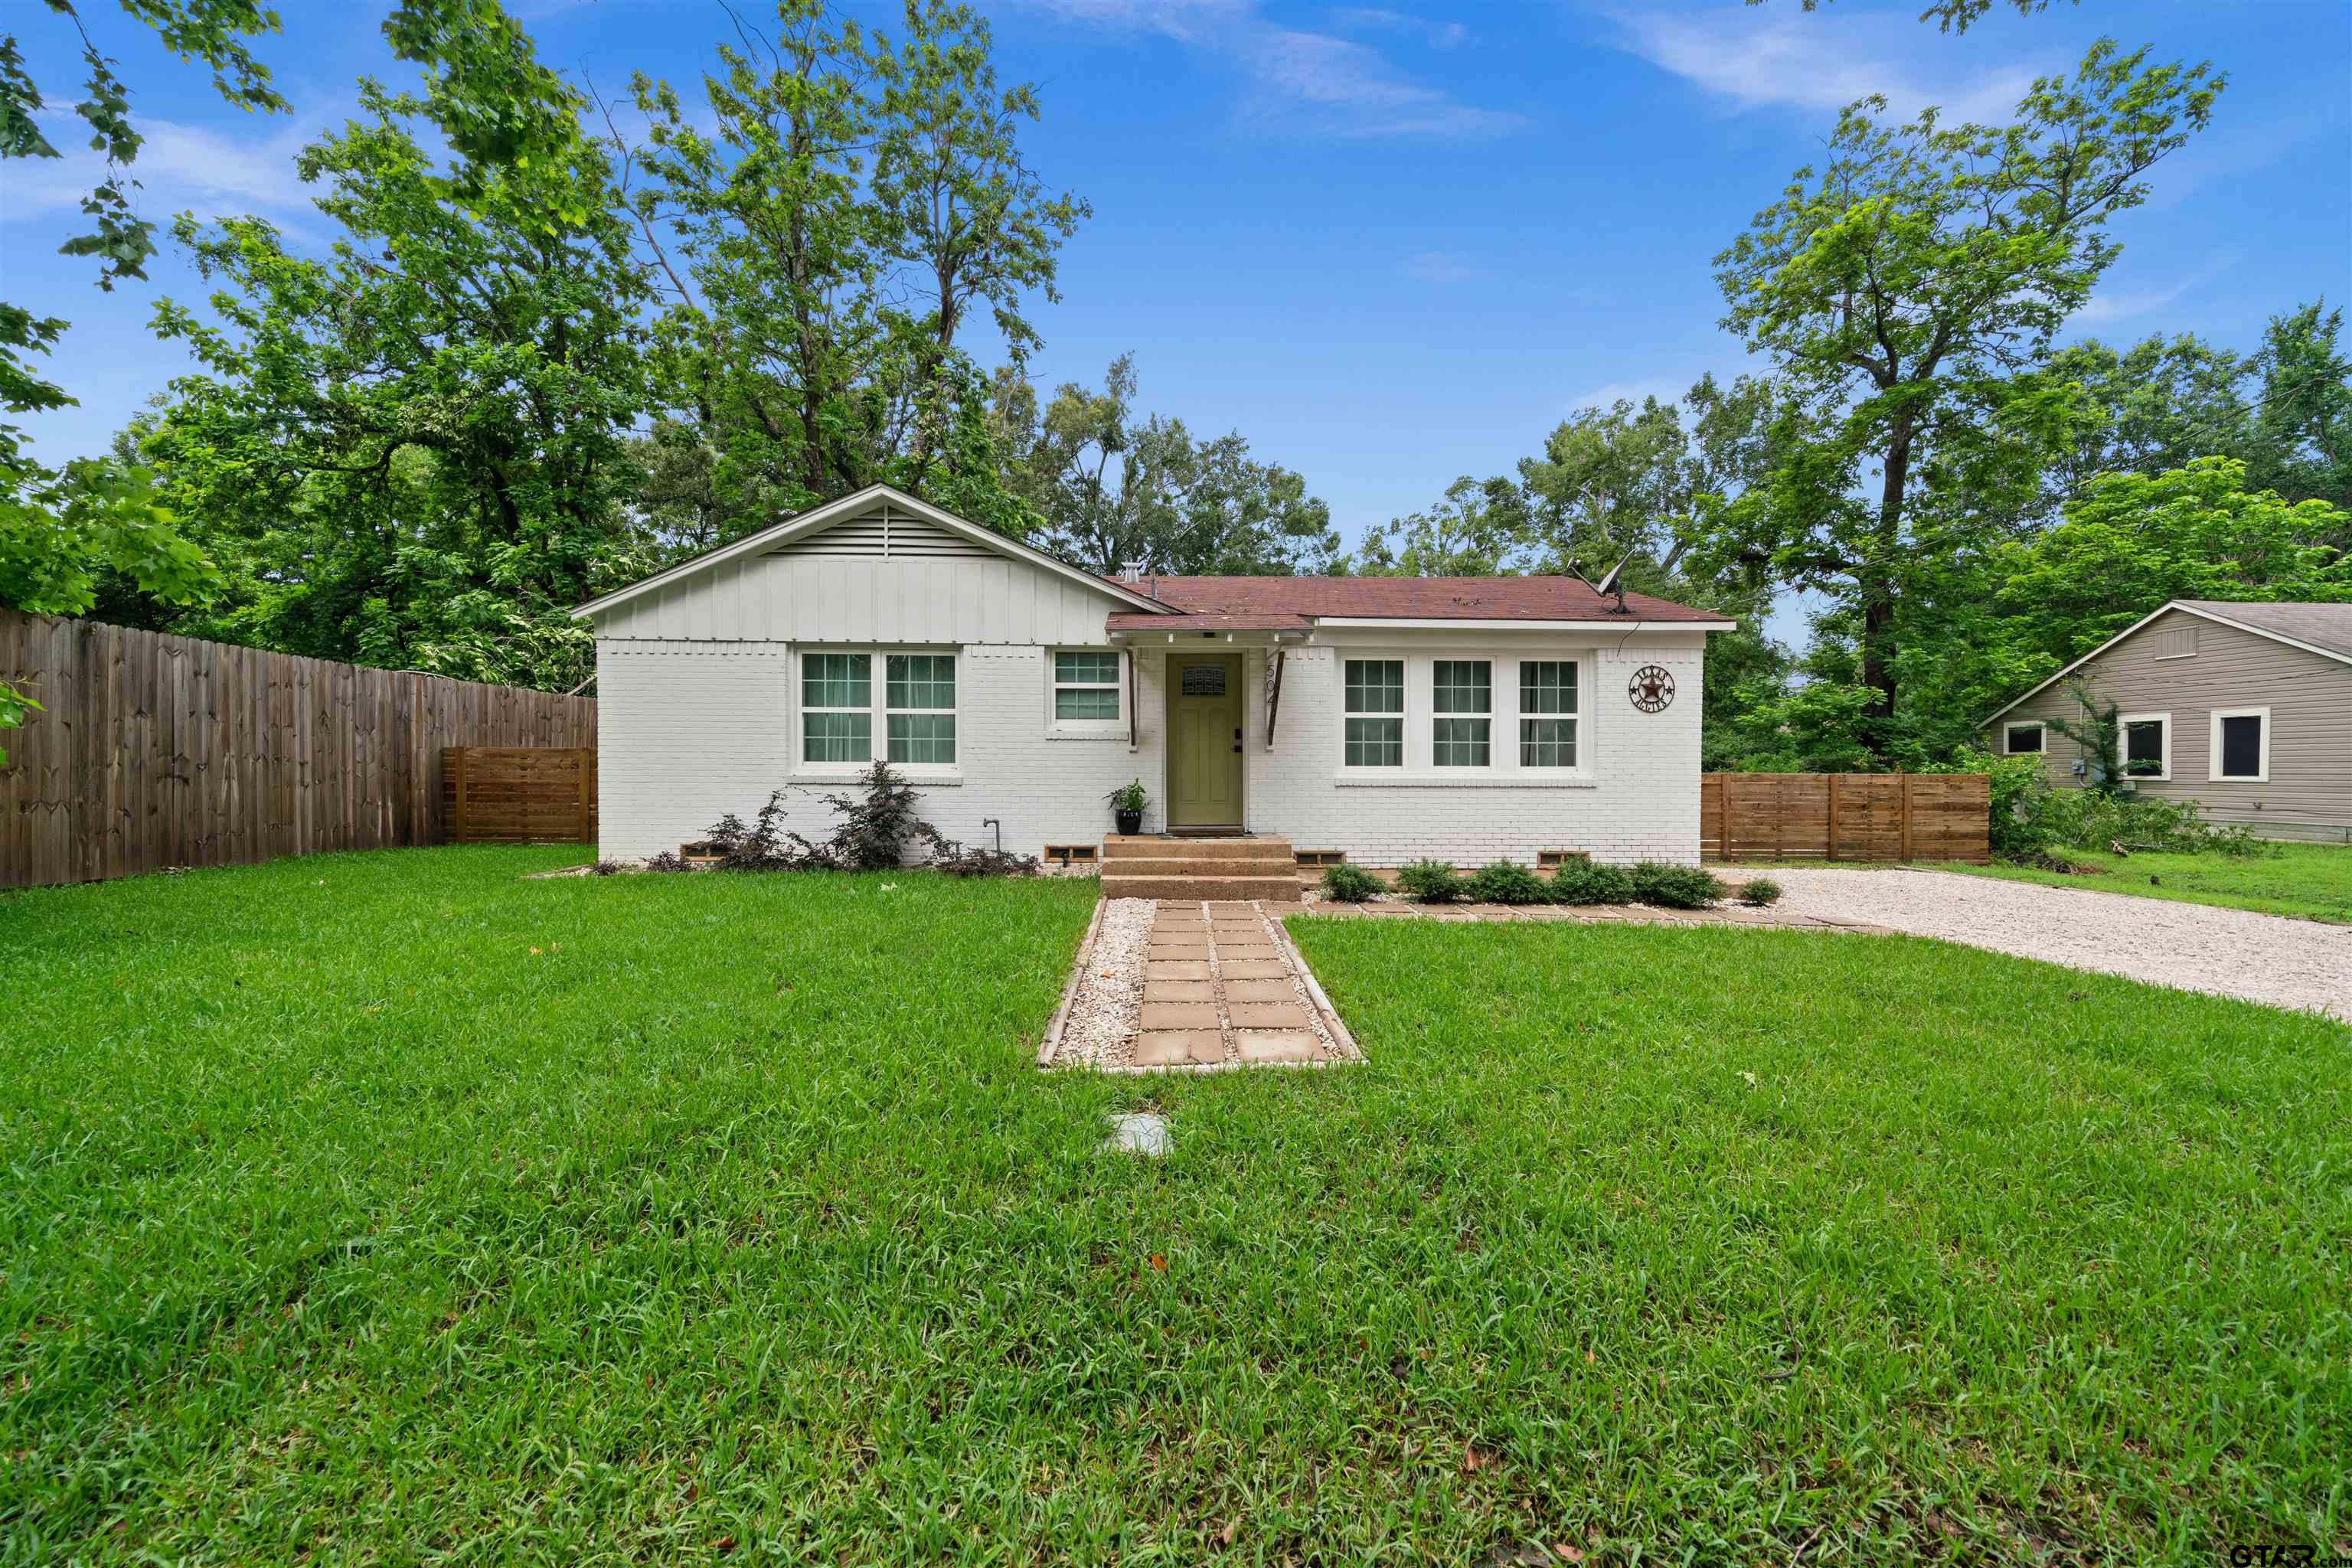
[734,1223]
[2313,882]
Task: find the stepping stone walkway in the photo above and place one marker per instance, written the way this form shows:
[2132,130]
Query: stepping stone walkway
[1222,987]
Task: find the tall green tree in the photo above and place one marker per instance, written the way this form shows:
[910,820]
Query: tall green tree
[1112,487]
[2302,439]
[1479,527]
[1907,294]
[410,453]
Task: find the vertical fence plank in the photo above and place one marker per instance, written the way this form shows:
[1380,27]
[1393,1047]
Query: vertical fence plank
[1846,816]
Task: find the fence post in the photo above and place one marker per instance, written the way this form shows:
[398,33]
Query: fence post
[1903,782]
[1722,818]
[1829,851]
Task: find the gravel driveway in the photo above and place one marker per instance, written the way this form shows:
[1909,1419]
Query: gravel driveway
[2231,953]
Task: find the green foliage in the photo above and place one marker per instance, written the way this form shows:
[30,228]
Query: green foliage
[1760,892]
[1113,490]
[1505,883]
[1670,886]
[2087,819]
[1129,796]
[1349,884]
[2019,822]
[1907,295]
[1577,880]
[1429,882]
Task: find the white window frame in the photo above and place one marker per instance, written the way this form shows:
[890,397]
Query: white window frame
[2213,752]
[1429,684]
[1520,716]
[1059,728]
[1403,714]
[2122,744]
[878,658]
[1502,770]
[2009,749]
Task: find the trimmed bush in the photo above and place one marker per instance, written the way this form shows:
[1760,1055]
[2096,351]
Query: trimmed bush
[1429,882]
[1507,882]
[1760,892]
[1577,880]
[1672,887]
[1350,884]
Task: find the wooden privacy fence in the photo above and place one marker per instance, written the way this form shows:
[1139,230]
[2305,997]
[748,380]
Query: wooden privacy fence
[518,794]
[155,750]
[1844,816]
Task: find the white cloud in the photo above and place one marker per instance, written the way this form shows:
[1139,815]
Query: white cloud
[1309,81]
[2122,305]
[1786,57]
[192,167]
[1437,35]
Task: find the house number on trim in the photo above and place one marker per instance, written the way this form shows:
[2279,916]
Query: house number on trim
[1652,688]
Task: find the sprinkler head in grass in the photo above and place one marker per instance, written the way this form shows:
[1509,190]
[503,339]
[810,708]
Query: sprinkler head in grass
[1142,1133]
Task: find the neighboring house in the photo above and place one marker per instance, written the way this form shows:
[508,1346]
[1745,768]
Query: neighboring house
[1387,718]
[2244,709]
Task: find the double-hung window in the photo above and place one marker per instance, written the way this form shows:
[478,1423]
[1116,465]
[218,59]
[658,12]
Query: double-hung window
[1462,699]
[1546,714]
[916,714]
[1375,705]
[1085,686]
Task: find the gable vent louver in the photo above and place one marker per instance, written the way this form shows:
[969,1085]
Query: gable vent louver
[885,536]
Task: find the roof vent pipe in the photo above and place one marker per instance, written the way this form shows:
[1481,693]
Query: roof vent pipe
[1132,571]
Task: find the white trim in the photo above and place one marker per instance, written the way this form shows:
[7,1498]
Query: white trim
[848,507]
[1060,729]
[2185,609]
[2124,722]
[2213,752]
[2009,749]
[1517,624]
[803,770]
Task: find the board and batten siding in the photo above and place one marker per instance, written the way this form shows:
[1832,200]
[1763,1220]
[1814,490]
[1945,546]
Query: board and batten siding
[2188,667]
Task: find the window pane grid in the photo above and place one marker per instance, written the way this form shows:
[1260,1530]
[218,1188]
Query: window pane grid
[1458,743]
[1461,685]
[1086,686]
[838,738]
[919,680]
[1375,686]
[1547,742]
[922,738]
[1085,702]
[1548,686]
[1375,744]
[836,680]
[1085,669]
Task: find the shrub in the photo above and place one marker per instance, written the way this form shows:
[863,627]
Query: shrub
[878,826]
[1672,887]
[1760,892]
[1429,882]
[1577,880]
[978,861]
[1507,882]
[1349,884]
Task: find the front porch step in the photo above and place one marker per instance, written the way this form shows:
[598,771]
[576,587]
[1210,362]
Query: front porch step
[1203,866]
[1281,889]
[1143,846]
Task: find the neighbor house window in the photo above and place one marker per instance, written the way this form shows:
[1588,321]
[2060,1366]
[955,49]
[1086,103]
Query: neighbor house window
[922,709]
[837,708]
[1086,686]
[1547,713]
[1375,705]
[2024,739]
[912,707]
[2242,744]
[2146,745]
[1461,697]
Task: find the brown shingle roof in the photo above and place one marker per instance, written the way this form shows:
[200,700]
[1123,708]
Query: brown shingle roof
[1233,603]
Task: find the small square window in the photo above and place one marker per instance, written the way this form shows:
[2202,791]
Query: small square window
[2024,739]
[1086,686]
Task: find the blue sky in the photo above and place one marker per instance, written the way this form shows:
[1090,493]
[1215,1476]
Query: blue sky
[1389,243]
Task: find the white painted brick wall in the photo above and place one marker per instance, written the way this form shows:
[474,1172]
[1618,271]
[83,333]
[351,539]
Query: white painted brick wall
[689,731]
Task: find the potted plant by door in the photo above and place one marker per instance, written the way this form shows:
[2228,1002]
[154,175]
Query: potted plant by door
[1127,807]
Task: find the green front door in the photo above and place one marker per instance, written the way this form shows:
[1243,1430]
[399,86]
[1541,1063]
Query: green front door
[1204,740]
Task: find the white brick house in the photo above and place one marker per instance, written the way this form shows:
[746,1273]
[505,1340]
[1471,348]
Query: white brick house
[1466,719]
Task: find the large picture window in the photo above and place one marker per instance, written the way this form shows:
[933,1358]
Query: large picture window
[1375,703]
[1462,699]
[1546,714]
[915,714]
[1086,686]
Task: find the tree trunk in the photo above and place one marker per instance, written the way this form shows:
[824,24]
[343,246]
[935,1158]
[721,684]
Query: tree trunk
[1878,586]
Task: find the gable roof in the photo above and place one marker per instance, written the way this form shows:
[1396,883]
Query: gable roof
[2323,629]
[1277,604]
[856,504]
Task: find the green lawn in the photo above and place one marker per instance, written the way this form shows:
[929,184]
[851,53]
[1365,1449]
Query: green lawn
[733,1223]
[2312,880]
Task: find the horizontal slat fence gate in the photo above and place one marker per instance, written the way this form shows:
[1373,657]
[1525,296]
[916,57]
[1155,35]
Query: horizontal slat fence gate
[518,794]
[152,751]
[1845,816]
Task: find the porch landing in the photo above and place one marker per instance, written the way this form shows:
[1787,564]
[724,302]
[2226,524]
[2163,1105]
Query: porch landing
[1236,869]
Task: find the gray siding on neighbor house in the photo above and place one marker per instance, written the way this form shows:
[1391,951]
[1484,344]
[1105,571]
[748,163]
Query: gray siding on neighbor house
[2309,791]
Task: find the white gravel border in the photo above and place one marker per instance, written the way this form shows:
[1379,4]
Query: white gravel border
[2301,965]
[1096,1026]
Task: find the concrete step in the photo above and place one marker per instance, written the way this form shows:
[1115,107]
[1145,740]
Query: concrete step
[1162,866]
[1281,889]
[1147,848]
